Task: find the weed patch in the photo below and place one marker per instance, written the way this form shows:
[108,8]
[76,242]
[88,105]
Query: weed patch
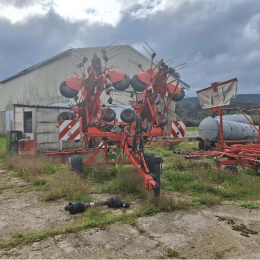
[249,205]
[67,185]
[99,174]
[129,182]
[207,200]
[31,166]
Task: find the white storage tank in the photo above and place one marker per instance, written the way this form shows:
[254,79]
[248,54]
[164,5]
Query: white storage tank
[209,128]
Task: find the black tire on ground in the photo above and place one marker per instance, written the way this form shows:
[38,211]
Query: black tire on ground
[177,97]
[65,115]
[153,163]
[110,115]
[123,84]
[149,160]
[66,91]
[76,163]
[231,168]
[127,115]
[164,121]
[137,84]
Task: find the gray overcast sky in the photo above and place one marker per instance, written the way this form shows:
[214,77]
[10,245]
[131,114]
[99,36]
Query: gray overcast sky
[218,39]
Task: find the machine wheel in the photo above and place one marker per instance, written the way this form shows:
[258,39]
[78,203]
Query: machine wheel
[177,97]
[92,143]
[149,160]
[66,115]
[257,169]
[201,144]
[76,163]
[164,120]
[123,84]
[231,168]
[66,91]
[110,115]
[137,84]
[127,115]
[154,165]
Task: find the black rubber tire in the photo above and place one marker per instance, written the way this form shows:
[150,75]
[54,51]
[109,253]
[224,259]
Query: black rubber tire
[164,120]
[123,84]
[149,160]
[137,84]
[127,115]
[66,91]
[110,115]
[65,115]
[92,143]
[201,144]
[177,97]
[231,168]
[76,163]
[155,170]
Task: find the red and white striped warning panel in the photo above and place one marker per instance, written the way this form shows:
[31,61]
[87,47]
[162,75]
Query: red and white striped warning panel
[69,130]
[178,129]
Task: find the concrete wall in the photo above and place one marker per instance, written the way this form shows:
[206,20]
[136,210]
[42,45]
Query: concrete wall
[44,126]
[2,122]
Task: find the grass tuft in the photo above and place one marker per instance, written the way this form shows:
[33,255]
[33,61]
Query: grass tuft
[249,205]
[129,182]
[67,185]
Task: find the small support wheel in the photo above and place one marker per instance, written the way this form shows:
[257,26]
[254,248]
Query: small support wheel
[153,163]
[65,115]
[110,114]
[76,163]
[127,115]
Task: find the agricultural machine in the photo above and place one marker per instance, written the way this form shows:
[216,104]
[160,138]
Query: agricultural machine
[229,139]
[90,120]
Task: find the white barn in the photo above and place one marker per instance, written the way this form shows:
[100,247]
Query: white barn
[39,84]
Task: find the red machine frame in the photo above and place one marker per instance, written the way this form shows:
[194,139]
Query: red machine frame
[235,151]
[90,114]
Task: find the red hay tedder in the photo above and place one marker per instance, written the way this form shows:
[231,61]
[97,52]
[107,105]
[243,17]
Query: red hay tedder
[90,120]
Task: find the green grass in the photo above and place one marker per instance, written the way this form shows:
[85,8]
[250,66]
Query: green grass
[2,148]
[192,129]
[2,143]
[186,145]
[249,205]
[171,253]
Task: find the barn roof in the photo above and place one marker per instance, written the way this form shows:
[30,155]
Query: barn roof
[68,52]
[58,56]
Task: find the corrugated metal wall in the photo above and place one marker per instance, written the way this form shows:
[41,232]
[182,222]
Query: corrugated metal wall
[41,86]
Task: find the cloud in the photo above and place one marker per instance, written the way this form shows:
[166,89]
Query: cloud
[217,39]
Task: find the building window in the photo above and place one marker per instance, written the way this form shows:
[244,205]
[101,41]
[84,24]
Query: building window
[28,122]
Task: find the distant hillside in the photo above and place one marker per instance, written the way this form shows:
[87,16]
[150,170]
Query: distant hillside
[190,110]
[240,97]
